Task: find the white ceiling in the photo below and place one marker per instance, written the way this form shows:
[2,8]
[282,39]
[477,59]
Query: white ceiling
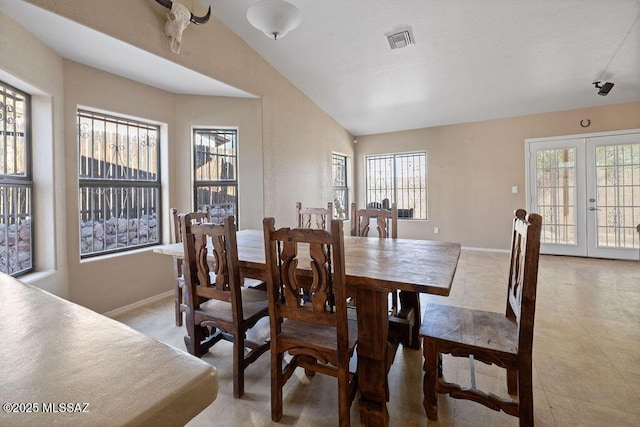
[473,59]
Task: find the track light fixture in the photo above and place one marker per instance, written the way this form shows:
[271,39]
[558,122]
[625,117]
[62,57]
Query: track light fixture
[603,89]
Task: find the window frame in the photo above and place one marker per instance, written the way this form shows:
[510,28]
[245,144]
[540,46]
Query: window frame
[24,180]
[216,214]
[102,183]
[393,196]
[345,187]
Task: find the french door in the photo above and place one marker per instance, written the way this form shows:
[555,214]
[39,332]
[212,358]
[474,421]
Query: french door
[587,189]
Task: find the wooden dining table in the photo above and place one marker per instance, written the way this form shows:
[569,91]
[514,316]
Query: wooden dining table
[374,267]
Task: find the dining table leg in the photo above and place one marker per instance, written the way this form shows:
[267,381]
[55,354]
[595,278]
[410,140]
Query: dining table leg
[373,325]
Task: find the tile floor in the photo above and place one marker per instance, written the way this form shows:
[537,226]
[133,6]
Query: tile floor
[586,355]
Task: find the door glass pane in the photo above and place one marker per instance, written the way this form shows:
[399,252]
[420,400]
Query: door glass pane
[618,192]
[555,176]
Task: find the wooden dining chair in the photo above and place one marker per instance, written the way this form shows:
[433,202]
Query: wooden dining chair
[493,338]
[318,335]
[404,322]
[319,218]
[386,221]
[218,306]
[177,268]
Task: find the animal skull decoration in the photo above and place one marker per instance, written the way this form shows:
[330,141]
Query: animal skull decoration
[178,18]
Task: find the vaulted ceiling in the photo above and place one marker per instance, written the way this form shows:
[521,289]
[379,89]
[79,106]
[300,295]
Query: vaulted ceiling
[472,60]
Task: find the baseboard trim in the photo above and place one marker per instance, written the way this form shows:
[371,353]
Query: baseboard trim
[127,308]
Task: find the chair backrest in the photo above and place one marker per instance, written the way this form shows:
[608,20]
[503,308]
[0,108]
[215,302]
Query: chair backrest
[318,218]
[386,221]
[285,250]
[523,275]
[201,240]
[195,217]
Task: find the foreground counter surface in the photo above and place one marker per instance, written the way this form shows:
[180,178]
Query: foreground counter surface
[61,363]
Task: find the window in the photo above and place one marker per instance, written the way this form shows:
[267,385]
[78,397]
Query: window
[119,177]
[16,185]
[400,178]
[215,156]
[340,188]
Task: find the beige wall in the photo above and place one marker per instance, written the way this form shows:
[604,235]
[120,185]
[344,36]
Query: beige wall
[29,65]
[242,114]
[472,167]
[104,283]
[297,136]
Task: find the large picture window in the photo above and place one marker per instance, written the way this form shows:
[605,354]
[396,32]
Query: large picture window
[16,185]
[340,188]
[400,178]
[119,178]
[215,156]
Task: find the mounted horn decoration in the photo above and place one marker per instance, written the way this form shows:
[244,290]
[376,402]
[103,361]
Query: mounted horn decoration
[178,18]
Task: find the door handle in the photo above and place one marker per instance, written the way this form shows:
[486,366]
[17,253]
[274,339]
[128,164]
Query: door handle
[594,209]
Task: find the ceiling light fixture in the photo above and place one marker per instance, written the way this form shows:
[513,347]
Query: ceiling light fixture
[603,89]
[275,18]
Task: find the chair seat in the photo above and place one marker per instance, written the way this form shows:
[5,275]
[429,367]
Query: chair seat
[254,303]
[318,336]
[473,328]
[248,282]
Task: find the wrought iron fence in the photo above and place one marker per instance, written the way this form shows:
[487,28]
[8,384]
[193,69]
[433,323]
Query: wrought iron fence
[398,177]
[119,191]
[16,254]
[16,237]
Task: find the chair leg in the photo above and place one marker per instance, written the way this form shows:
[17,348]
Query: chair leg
[344,403]
[178,303]
[195,335]
[431,371]
[238,364]
[525,394]
[512,381]
[277,383]
[394,303]
[408,301]
[309,372]
[190,338]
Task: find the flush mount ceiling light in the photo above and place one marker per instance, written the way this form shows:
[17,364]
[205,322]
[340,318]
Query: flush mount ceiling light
[275,18]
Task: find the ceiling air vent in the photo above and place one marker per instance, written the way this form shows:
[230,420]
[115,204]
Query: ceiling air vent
[400,39]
